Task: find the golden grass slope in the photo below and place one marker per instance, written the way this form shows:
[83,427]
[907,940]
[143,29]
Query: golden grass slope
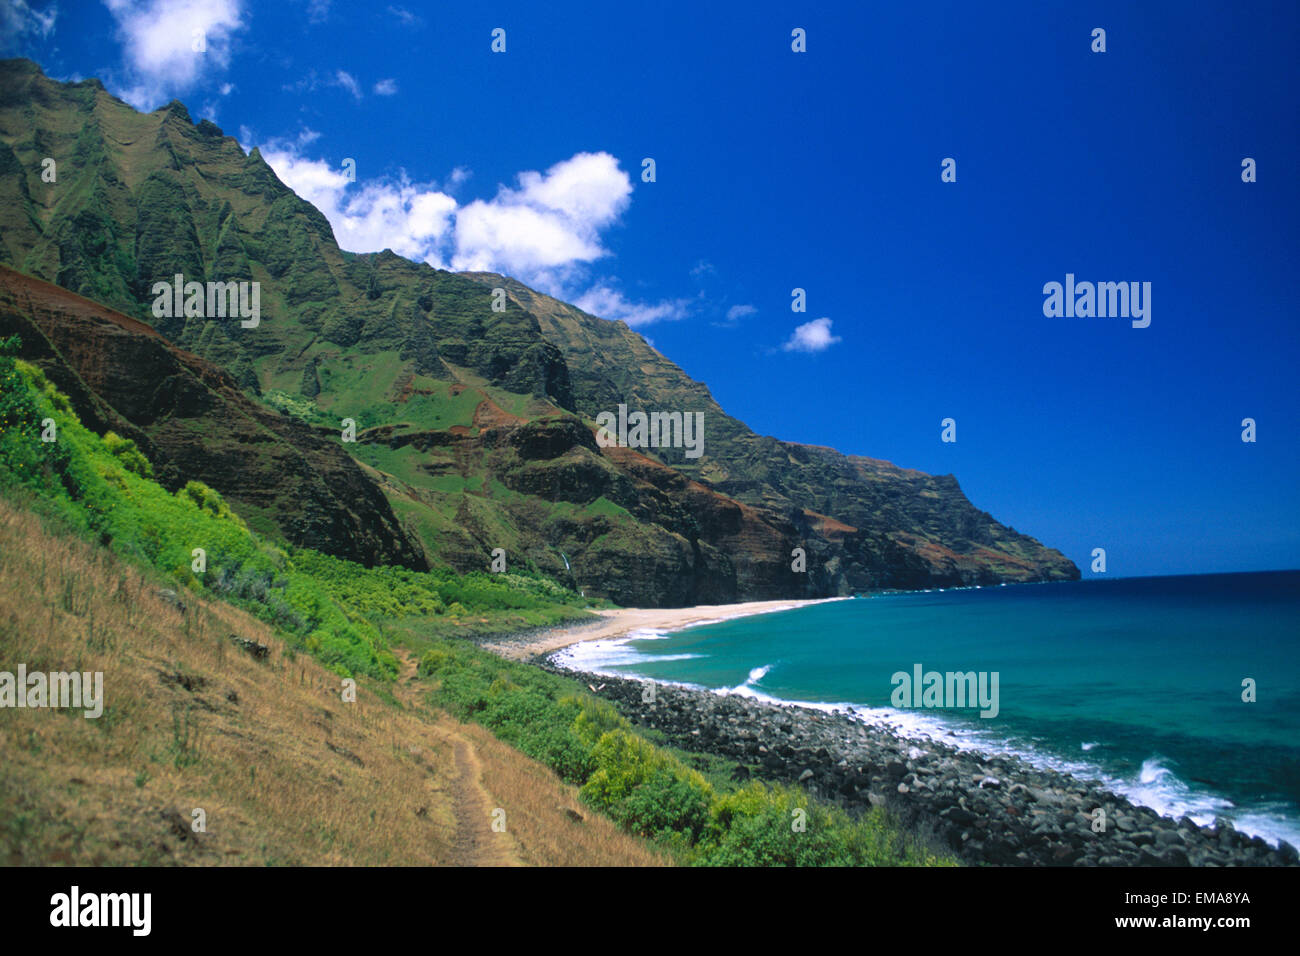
[285,771]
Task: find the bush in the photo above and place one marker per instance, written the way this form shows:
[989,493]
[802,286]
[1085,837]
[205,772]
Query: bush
[208,500]
[433,661]
[646,790]
[125,451]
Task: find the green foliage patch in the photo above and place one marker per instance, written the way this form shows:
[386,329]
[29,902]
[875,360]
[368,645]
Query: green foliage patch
[333,608]
[647,789]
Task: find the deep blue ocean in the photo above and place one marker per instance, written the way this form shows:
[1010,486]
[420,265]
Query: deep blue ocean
[1137,682]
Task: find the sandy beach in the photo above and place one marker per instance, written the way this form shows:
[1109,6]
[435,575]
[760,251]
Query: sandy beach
[622,621]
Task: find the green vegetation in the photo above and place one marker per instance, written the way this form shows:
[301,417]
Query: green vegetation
[647,789]
[345,614]
[332,608]
[295,407]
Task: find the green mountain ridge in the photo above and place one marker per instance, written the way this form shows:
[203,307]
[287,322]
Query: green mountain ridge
[476,425]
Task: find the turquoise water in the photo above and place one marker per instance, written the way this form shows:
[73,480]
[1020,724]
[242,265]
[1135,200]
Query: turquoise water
[1134,681]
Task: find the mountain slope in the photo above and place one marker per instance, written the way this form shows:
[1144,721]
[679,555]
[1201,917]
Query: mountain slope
[476,424]
[894,527]
[194,423]
[265,746]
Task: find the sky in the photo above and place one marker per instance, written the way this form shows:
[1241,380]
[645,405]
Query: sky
[822,170]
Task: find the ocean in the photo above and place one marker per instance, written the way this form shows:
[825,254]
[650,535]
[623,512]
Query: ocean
[1137,682]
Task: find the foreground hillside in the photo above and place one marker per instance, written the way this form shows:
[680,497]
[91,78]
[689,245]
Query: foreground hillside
[201,628]
[284,770]
[476,425]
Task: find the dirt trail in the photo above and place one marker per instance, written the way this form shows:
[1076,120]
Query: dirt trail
[475,842]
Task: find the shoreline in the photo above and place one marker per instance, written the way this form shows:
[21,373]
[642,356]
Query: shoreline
[617,623]
[985,808]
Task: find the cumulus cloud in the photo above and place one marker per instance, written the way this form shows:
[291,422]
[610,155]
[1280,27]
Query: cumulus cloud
[385,88]
[411,219]
[158,39]
[545,231]
[738,312]
[547,226]
[20,22]
[814,336]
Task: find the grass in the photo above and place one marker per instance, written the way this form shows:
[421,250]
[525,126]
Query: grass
[102,487]
[270,749]
[258,745]
[651,790]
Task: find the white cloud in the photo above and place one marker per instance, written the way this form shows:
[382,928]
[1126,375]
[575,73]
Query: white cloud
[340,79]
[385,88]
[19,22]
[405,17]
[549,225]
[158,39]
[412,220]
[544,232]
[814,336]
[346,80]
[609,303]
[318,11]
[738,312]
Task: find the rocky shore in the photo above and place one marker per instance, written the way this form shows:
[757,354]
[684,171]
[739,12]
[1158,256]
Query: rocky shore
[985,809]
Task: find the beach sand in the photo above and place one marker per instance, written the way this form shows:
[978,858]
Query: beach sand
[622,621]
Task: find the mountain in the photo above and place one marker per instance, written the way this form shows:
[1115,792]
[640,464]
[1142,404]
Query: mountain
[477,426]
[192,422]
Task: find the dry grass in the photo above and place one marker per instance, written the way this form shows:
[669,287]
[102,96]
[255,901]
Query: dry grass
[285,770]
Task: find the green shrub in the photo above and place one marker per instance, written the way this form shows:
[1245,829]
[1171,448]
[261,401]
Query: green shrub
[125,451]
[646,790]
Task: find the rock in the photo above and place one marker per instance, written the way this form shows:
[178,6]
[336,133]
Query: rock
[1147,856]
[959,815]
[1175,856]
[258,650]
[1065,855]
[168,596]
[1029,818]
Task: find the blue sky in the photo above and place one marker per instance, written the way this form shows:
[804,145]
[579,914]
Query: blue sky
[821,170]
